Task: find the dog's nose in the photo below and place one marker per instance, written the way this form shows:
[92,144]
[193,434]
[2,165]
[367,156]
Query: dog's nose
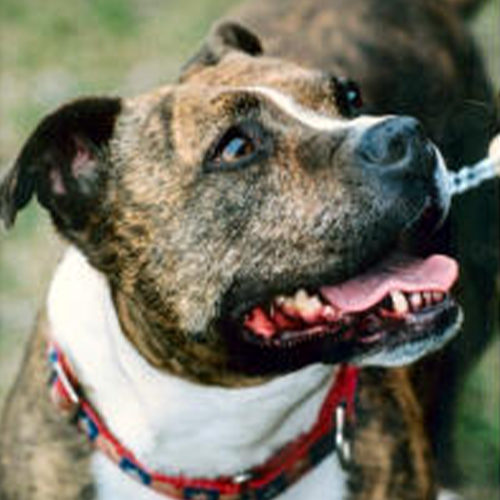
[394,143]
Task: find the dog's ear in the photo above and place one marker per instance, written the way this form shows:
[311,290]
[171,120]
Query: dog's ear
[63,163]
[225,37]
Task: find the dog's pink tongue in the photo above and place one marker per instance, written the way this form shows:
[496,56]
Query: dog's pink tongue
[398,272]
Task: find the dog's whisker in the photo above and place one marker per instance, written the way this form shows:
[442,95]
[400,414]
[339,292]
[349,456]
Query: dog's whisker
[478,104]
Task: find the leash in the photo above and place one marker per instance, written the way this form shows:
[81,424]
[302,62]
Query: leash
[330,434]
[469,177]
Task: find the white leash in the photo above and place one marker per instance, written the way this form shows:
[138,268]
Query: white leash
[469,177]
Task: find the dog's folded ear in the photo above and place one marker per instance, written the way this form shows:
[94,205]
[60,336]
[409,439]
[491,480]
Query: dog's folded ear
[225,37]
[63,163]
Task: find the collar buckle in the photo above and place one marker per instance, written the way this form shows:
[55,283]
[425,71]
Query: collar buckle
[243,477]
[343,436]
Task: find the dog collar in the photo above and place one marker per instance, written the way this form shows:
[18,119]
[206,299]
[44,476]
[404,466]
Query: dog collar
[263,482]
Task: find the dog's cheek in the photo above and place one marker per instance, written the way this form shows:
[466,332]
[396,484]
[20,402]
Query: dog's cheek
[156,335]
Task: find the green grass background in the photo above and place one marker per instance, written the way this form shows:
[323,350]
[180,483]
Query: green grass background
[54,50]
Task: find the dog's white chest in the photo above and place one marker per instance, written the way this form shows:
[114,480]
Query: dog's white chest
[171,425]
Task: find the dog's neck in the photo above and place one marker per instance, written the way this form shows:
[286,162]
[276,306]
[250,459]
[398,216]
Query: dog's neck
[172,425]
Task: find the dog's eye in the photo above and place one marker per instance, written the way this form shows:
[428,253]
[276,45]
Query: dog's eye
[348,96]
[238,147]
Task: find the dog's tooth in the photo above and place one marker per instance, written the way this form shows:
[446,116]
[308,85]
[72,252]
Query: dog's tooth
[314,304]
[287,304]
[399,302]
[280,300]
[329,313]
[301,296]
[270,309]
[416,301]
[310,309]
[304,301]
[301,305]
[437,296]
[427,298]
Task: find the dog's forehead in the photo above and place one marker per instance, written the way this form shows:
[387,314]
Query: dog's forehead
[193,112]
[200,113]
[306,86]
[212,89]
[239,69]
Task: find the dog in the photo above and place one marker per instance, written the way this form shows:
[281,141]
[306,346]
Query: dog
[240,243]
[397,55]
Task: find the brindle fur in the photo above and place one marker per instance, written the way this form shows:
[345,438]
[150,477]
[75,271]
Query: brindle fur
[42,455]
[391,453]
[175,241]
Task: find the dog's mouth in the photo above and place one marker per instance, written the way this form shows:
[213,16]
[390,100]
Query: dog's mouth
[402,300]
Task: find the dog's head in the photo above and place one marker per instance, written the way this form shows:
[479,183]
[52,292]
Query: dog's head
[249,222]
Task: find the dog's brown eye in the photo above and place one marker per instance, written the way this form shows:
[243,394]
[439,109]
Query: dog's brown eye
[236,148]
[241,145]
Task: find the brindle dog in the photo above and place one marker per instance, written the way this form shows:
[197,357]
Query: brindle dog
[250,178]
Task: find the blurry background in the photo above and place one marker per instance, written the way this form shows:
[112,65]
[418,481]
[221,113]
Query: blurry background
[54,50]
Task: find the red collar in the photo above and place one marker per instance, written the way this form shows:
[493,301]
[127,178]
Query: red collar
[262,482]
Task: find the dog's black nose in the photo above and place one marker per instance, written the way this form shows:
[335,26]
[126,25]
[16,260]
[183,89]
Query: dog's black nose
[394,143]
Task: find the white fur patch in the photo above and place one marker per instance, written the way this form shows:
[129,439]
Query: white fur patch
[292,108]
[443,182]
[311,118]
[172,425]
